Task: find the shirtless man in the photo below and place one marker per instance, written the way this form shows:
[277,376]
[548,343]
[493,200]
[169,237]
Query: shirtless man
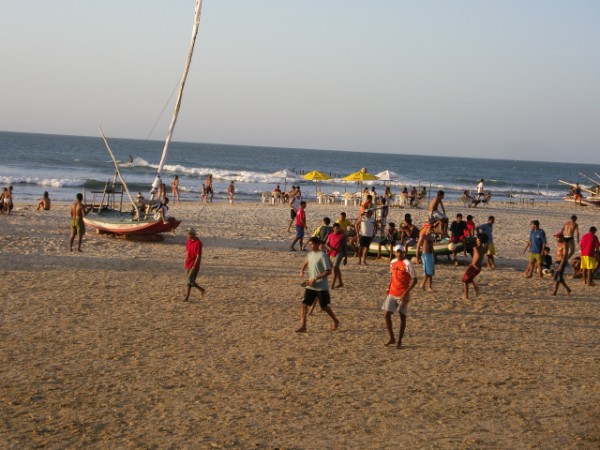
[77,225]
[426,241]
[436,203]
[569,230]
[209,188]
[475,266]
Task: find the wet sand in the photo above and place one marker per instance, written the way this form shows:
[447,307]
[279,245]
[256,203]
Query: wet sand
[99,351]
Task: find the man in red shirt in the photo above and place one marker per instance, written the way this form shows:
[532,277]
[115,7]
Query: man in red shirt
[403,279]
[589,247]
[300,226]
[193,256]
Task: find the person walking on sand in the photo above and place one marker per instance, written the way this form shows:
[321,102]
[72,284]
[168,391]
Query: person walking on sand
[368,228]
[535,244]
[209,188]
[77,225]
[295,200]
[487,229]
[402,280]
[193,257]
[589,248]
[561,264]
[426,241]
[231,192]
[475,266]
[300,227]
[337,251]
[317,284]
[570,230]
[480,191]
[175,189]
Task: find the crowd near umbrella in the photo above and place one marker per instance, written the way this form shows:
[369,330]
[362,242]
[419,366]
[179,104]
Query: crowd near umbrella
[361,176]
[316,176]
[284,174]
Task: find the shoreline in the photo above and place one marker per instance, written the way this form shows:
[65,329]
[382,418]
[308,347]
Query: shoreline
[98,349]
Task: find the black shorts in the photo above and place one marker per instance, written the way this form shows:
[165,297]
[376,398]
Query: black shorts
[365,241]
[310,295]
[292,214]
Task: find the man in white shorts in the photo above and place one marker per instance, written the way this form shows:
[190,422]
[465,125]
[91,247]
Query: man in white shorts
[403,280]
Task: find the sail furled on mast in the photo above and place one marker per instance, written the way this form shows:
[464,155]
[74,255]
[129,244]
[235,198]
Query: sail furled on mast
[197,11]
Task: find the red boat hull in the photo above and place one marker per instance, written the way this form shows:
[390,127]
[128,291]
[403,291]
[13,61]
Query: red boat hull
[122,224]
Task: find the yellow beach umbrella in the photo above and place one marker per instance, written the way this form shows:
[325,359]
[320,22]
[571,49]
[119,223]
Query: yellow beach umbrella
[316,176]
[360,176]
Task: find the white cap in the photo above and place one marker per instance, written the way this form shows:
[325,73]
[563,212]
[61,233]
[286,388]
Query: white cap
[399,248]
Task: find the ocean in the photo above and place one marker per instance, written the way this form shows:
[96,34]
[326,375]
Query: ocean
[65,165]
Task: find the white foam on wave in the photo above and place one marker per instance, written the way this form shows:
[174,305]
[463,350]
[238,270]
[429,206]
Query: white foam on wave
[51,182]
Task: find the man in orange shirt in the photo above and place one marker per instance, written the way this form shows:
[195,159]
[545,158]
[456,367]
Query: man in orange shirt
[403,280]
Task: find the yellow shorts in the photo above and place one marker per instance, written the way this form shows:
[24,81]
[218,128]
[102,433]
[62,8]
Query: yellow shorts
[588,262]
[491,250]
[535,257]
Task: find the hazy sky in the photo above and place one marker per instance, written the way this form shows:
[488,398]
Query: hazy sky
[499,79]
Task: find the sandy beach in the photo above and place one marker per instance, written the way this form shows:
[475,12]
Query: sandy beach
[99,351]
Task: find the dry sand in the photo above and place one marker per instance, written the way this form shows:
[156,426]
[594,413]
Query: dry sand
[99,351]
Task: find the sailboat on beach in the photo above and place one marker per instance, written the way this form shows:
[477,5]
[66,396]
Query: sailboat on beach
[106,214]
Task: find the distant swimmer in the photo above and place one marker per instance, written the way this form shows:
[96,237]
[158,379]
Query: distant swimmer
[130,159]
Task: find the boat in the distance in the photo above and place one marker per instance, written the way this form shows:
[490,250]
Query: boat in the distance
[593,197]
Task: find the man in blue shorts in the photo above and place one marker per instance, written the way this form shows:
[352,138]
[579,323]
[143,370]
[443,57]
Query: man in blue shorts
[426,242]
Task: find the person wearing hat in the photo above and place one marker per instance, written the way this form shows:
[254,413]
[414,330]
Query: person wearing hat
[193,257]
[403,279]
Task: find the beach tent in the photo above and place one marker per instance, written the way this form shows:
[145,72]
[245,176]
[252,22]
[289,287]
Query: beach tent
[284,174]
[361,176]
[316,176]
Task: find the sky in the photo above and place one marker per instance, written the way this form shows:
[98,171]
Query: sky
[509,79]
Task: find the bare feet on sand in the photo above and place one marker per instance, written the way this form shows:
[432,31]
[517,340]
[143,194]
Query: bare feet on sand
[301,330]
[335,325]
[390,342]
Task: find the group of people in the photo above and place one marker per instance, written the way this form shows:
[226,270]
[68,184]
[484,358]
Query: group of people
[208,191]
[540,261]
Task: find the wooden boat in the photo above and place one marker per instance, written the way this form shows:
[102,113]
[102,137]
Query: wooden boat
[440,248]
[593,199]
[115,222]
[104,215]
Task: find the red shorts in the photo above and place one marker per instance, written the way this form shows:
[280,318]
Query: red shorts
[470,274]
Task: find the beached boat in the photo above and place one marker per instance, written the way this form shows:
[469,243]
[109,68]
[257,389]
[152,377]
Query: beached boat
[107,216]
[440,248]
[116,222]
[593,198]
[104,215]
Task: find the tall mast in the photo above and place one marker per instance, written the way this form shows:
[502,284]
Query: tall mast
[186,69]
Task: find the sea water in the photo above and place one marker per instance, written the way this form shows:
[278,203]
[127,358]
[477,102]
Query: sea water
[66,165]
